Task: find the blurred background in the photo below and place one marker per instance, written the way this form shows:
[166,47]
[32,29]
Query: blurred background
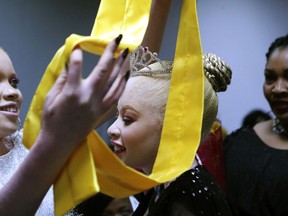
[240,32]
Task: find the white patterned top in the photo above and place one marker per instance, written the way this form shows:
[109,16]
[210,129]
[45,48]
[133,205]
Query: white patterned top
[10,162]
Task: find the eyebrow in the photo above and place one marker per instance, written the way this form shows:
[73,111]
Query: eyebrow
[272,71]
[124,108]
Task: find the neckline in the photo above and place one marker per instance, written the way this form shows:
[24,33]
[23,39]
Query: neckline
[263,142]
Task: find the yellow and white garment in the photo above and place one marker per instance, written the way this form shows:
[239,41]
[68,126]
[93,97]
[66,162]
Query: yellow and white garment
[93,167]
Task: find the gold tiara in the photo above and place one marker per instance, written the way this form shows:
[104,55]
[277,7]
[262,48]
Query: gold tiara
[145,63]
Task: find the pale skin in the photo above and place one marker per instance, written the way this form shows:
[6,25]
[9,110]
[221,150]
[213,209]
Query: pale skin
[10,99]
[276,92]
[157,22]
[75,102]
[53,150]
[147,118]
[136,132]
[69,97]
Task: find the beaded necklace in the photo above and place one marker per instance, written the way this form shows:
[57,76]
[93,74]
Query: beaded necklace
[278,128]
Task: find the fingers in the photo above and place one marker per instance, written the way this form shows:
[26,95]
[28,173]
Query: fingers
[118,68]
[111,98]
[105,63]
[101,76]
[75,68]
[73,99]
[71,75]
[110,113]
[116,90]
[57,87]
[120,88]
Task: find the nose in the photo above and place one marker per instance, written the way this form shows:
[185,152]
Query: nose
[10,94]
[113,131]
[280,86]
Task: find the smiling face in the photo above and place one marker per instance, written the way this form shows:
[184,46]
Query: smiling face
[136,133]
[10,96]
[276,83]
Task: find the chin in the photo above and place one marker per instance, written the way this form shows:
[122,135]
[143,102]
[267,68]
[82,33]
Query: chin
[8,131]
[127,163]
[281,115]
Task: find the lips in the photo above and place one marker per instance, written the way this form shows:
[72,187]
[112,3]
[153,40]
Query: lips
[280,106]
[10,109]
[118,149]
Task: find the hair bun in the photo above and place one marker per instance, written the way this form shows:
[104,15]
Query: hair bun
[217,72]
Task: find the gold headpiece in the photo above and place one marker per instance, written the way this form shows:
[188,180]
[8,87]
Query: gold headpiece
[217,72]
[145,63]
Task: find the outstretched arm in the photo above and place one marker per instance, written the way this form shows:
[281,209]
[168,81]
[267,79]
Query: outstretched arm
[73,107]
[157,23]
[152,39]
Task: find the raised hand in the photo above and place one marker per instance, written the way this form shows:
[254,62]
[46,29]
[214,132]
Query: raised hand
[75,105]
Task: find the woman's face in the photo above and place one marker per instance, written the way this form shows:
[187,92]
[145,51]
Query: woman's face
[136,132]
[10,96]
[276,83]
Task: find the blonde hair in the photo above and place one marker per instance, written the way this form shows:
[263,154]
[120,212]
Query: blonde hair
[217,77]
[156,77]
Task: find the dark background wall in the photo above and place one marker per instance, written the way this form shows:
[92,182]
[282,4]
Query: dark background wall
[240,32]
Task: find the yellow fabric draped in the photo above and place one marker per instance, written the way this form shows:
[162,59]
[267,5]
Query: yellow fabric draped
[93,167]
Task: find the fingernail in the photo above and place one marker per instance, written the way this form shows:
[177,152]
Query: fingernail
[125,53]
[118,39]
[77,47]
[127,75]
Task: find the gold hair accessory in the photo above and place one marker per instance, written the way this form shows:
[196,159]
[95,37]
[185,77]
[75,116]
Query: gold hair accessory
[145,63]
[217,72]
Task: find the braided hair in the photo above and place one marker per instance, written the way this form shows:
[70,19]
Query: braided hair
[217,72]
[155,80]
[281,42]
[218,76]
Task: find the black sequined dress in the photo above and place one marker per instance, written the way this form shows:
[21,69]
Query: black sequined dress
[256,175]
[195,192]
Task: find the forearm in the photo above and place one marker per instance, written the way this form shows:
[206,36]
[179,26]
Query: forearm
[72,108]
[24,192]
[157,23]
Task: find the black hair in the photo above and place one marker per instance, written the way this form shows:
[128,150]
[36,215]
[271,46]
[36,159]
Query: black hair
[281,42]
[254,117]
[93,205]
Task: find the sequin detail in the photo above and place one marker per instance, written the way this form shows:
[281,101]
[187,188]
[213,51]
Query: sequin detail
[194,192]
[10,162]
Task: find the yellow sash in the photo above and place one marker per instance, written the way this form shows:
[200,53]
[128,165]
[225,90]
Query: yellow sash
[93,167]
